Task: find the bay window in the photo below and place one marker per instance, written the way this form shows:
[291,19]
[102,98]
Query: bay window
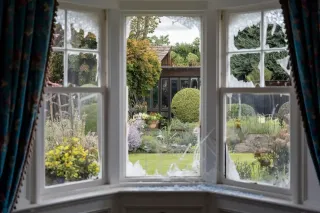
[245,132]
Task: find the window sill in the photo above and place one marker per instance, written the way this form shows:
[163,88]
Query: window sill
[220,192]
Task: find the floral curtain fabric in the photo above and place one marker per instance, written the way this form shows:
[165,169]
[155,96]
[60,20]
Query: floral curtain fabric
[25,34]
[302,27]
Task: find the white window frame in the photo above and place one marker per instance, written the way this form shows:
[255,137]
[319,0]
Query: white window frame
[39,192]
[295,138]
[205,154]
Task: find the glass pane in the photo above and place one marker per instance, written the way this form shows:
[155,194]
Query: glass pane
[184,83]
[71,138]
[155,97]
[244,70]
[58,36]
[165,94]
[56,70]
[163,141]
[83,30]
[148,99]
[277,69]
[274,29]
[174,87]
[244,31]
[83,69]
[194,83]
[258,138]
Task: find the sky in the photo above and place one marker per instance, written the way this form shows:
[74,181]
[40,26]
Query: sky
[176,31]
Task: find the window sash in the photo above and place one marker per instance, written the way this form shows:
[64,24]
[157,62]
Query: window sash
[262,49]
[123,178]
[294,141]
[43,192]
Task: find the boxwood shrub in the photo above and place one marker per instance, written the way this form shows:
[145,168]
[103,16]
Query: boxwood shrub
[185,105]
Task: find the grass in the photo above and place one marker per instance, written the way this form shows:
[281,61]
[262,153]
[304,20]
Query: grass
[162,162]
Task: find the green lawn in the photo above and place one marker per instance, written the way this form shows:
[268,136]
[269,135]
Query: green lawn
[162,162]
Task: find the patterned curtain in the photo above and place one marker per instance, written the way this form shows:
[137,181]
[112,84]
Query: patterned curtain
[302,27]
[25,34]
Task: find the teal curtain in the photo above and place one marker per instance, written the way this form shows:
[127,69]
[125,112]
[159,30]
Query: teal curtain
[302,28]
[25,35]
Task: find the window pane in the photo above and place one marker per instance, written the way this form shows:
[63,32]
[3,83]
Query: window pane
[274,29]
[244,31]
[277,69]
[164,94]
[184,83]
[56,70]
[83,30]
[58,36]
[258,138]
[155,97]
[244,70]
[83,69]
[174,87]
[71,137]
[160,142]
[194,83]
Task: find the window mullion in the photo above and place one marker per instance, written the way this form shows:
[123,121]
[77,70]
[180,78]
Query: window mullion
[262,37]
[65,57]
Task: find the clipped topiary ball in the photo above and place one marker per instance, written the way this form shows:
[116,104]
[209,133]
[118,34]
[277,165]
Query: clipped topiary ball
[246,110]
[185,105]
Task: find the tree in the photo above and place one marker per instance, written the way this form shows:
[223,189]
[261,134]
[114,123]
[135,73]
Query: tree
[142,26]
[143,69]
[184,54]
[159,41]
[193,60]
[242,65]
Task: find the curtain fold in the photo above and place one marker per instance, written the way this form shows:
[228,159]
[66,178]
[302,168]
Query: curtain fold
[26,29]
[302,28]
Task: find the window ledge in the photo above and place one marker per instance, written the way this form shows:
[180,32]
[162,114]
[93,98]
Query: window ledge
[221,191]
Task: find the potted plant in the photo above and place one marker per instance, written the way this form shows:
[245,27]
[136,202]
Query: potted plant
[153,120]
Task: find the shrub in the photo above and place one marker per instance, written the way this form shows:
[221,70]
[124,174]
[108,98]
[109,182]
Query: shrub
[150,144]
[244,170]
[138,108]
[89,112]
[246,110]
[134,136]
[60,130]
[185,105]
[283,111]
[176,124]
[71,161]
[255,125]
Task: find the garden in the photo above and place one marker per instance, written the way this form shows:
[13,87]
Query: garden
[257,129]
[259,144]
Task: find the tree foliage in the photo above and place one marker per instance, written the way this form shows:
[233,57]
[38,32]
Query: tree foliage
[159,41]
[143,69]
[142,26]
[184,54]
[245,66]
